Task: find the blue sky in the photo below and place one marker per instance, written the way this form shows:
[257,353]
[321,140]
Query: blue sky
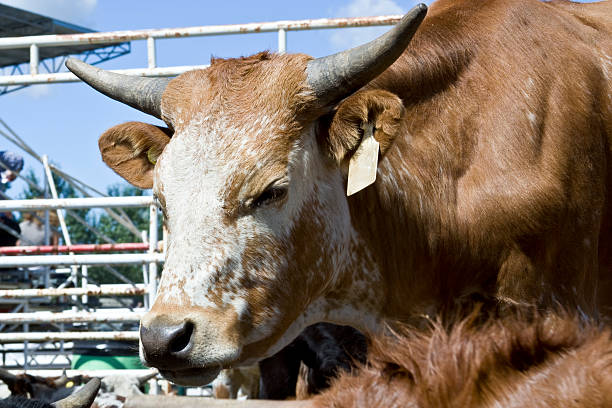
[65,120]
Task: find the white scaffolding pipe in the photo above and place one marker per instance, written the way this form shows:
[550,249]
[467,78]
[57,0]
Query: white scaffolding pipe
[91,290]
[64,77]
[153,238]
[90,202]
[70,317]
[150,35]
[282,41]
[34,59]
[151,56]
[60,213]
[84,283]
[67,336]
[129,35]
[52,260]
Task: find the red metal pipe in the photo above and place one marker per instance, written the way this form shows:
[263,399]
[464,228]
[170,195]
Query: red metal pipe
[54,249]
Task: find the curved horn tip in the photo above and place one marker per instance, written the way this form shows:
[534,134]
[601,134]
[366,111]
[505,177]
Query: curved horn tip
[336,76]
[147,377]
[83,398]
[71,62]
[142,93]
[416,15]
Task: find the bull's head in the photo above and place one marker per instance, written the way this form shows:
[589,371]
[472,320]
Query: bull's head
[250,175]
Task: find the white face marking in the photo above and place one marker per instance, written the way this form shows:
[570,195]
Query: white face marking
[201,248]
[206,255]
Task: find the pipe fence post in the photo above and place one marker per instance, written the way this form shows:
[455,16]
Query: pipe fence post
[145,272]
[282,41]
[84,283]
[153,237]
[34,59]
[151,54]
[60,216]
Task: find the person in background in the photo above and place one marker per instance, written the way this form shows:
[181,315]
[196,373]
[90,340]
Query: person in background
[10,165]
[33,229]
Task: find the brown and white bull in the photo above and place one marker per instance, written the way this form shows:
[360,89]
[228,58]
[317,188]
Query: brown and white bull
[495,127]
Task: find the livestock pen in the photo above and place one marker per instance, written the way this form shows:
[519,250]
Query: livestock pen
[87,321]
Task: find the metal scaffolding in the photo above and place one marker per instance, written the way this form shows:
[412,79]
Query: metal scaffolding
[35,43]
[17,22]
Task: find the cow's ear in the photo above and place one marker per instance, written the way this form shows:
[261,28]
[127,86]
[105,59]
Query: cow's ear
[382,109]
[131,150]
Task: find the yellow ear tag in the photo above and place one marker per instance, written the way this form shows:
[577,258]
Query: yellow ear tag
[363,164]
[152,156]
[69,384]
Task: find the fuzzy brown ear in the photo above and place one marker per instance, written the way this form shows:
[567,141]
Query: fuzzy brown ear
[131,150]
[381,108]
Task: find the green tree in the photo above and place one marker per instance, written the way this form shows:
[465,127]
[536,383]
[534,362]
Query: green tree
[110,227]
[78,232]
[101,221]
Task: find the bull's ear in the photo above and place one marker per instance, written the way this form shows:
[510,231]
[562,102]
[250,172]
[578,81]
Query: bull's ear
[131,150]
[382,109]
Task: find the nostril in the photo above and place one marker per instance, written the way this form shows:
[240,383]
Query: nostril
[182,339]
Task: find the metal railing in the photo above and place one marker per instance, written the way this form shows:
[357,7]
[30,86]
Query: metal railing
[150,258]
[281,27]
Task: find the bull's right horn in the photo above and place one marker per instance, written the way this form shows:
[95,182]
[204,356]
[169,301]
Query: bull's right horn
[83,398]
[336,76]
[142,93]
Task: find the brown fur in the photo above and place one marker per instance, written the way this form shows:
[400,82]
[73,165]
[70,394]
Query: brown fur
[546,361]
[132,148]
[381,108]
[476,198]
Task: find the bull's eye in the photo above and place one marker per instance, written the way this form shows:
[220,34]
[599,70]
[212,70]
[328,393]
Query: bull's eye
[270,195]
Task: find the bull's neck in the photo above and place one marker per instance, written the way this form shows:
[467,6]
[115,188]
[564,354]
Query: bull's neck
[408,245]
[406,239]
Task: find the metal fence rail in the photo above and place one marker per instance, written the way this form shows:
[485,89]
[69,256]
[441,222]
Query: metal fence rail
[102,290]
[106,259]
[69,317]
[67,336]
[50,249]
[75,203]
[148,258]
[281,27]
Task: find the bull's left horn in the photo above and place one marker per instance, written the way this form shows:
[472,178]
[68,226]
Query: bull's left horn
[83,398]
[337,76]
[144,94]
[145,378]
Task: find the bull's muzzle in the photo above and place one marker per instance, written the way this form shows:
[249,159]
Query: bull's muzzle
[166,345]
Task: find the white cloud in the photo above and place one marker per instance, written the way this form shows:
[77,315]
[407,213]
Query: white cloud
[37,91]
[359,8]
[78,12]
[347,38]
